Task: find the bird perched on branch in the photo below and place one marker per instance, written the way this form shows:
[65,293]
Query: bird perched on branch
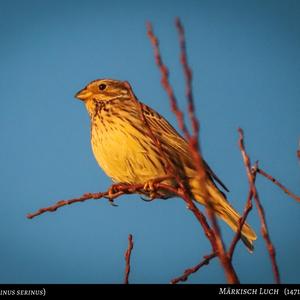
[127,153]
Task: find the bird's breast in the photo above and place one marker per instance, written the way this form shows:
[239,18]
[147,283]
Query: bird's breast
[122,149]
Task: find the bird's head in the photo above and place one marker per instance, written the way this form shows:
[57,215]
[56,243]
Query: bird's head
[104,90]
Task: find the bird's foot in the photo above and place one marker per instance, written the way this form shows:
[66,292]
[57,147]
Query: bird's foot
[150,184]
[150,188]
[114,192]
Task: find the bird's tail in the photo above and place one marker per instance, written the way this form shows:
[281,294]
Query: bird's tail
[227,213]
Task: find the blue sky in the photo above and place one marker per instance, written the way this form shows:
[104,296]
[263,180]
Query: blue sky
[245,57]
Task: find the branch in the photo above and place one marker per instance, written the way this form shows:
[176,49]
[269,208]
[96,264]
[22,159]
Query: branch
[218,244]
[61,203]
[215,239]
[127,258]
[264,228]
[195,150]
[188,272]
[242,221]
[165,81]
[180,120]
[188,79]
[112,193]
[243,218]
[268,176]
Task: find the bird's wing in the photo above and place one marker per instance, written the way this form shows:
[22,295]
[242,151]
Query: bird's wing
[165,132]
[169,137]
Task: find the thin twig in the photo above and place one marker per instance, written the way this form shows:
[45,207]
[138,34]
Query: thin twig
[127,258]
[112,193]
[61,203]
[243,218]
[180,120]
[194,144]
[268,176]
[195,150]
[264,228]
[165,81]
[188,272]
[215,239]
[242,221]
[188,79]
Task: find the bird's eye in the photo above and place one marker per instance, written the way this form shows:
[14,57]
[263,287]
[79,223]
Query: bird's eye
[102,86]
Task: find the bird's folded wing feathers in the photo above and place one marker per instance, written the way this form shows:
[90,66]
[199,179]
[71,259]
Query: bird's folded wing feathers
[168,136]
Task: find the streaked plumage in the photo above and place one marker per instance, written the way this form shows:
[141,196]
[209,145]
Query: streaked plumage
[126,153]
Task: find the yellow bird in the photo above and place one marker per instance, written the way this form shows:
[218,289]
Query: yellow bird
[127,154]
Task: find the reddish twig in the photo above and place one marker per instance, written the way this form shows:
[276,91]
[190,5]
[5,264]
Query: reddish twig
[215,239]
[118,190]
[188,272]
[268,176]
[243,218]
[188,79]
[61,203]
[165,81]
[127,258]
[264,228]
[193,140]
[242,221]
[195,150]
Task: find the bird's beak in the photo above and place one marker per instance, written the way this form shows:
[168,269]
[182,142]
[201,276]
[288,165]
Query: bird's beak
[83,94]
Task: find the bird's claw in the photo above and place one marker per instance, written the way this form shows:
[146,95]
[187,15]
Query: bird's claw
[112,203]
[113,190]
[148,199]
[145,199]
[150,189]
[149,186]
